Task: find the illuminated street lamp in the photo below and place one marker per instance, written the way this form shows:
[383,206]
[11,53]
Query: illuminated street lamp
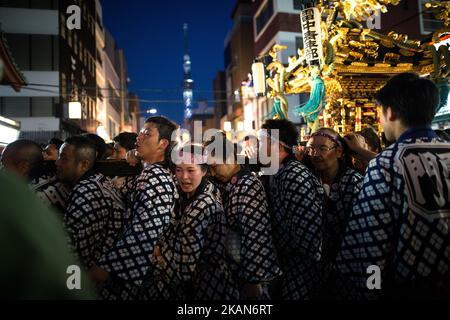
[259,78]
[227,126]
[74,110]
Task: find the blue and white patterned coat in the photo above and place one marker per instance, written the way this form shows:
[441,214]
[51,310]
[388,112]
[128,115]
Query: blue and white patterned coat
[401,222]
[297,198]
[94,217]
[192,263]
[128,261]
[250,246]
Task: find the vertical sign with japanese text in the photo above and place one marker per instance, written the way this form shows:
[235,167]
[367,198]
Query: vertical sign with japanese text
[312,38]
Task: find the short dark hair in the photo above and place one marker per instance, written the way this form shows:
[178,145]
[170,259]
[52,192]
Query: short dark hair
[57,142]
[127,140]
[26,150]
[288,133]
[372,138]
[85,148]
[414,100]
[165,129]
[99,143]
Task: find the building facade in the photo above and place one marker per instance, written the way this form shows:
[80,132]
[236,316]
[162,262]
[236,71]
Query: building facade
[277,22]
[220,99]
[61,48]
[58,63]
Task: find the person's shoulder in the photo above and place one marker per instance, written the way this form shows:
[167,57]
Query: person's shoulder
[385,159]
[155,170]
[352,175]
[295,172]
[154,174]
[206,201]
[204,204]
[91,183]
[248,180]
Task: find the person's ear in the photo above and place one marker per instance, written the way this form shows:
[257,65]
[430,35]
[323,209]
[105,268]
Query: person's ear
[85,165]
[280,147]
[163,144]
[390,114]
[339,151]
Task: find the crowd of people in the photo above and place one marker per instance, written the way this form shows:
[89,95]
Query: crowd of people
[198,224]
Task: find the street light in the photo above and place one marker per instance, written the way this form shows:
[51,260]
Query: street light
[227,126]
[152,111]
[74,110]
[259,78]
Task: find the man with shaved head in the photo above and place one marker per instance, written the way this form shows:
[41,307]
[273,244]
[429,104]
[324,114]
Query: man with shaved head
[94,212]
[24,158]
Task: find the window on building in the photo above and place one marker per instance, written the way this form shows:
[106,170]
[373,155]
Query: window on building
[98,20]
[92,109]
[428,23]
[19,45]
[298,43]
[75,43]
[86,58]
[84,9]
[63,85]
[41,53]
[69,38]
[55,53]
[41,4]
[113,128]
[81,51]
[89,20]
[62,26]
[16,107]
[92,25]
[99,57]
[15,3]
[93,66]
[264,16]
[298,4]
[84,106]
[41,107]
[88,108]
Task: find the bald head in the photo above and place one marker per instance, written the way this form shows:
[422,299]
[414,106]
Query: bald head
[22,157]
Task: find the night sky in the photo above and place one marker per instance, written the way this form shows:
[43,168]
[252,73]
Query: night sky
[151,34]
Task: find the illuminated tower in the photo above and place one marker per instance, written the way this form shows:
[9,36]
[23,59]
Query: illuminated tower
[188,83]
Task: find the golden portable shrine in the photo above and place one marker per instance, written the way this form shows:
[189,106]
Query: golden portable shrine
[343,64]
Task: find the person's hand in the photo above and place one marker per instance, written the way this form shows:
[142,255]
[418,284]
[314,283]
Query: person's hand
[157,251]
[355,142]
[98,275]
[132,158]
[158,257]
